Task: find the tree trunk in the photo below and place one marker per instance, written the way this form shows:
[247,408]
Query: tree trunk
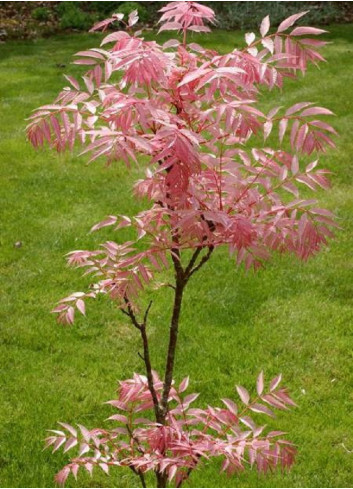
[173,337]
[161,479]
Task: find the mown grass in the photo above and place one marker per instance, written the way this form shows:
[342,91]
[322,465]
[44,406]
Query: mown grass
[291,317]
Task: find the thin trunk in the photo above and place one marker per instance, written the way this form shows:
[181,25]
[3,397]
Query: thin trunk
[173,337]
[181,278]
[161,479]
[142,479]
[141,326]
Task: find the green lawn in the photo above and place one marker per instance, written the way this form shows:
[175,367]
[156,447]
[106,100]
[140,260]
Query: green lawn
[295,318]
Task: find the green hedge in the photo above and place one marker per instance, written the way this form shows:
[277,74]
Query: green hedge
[240,15]
[236,15]
[243,15]
[33,19]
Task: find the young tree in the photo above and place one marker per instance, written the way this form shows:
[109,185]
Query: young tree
[212,182]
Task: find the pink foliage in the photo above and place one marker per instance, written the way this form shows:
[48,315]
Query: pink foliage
[186,16]
[218,172]
[188,436]
[192,112]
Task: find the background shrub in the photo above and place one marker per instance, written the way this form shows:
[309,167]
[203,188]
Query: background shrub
[41,13]
[19,20]
[246,15]
[72,17]
[104,9]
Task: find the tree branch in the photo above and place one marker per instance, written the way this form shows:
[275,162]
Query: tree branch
[193,260]
[188,473]
[146,353]
[130,313]
[147,360]
[142,478]
[145,317]
[140,474]
[139,449]
[202,262]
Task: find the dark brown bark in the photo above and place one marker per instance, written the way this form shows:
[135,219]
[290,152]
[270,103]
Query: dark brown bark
[147,360]
[203,260]
[173,337]
[192,261]
[181,279]
[141,326]
[140,475]
[161,479]
[142,479]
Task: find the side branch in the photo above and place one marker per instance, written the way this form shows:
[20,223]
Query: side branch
[192,261]
[140,474]
[204,259]
[130,313]
[141,326]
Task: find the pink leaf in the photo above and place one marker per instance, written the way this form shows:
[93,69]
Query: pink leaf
[69,428]
[316,111]
[172,471]
[243,394]
[183,385]
[71,442]
[74,470]
[91,54]
[81,306]
[290,21]
[84,448]
[311,166]
[231,406]
[260,384]
[115,36]
[259,408]
[133,18]
[104,24]
[190,398]
[267,129]
[199,28]
[265,26]
[73,82]
[282,128]
[60,440]
[171,26]
[275,382]
[85,433]
[104,467]
[192,76]
[172,43]
[110,221]
[70,315]
[89,467]
[249,38]
[119,417]
[268,44]
[248,422]
[61,476]
[297,107]
[295,165]
[302,31]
